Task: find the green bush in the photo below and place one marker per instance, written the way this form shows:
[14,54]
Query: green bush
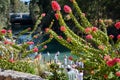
[17,66]
[58,73]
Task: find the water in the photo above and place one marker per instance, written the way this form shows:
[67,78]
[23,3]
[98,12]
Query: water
[53,47]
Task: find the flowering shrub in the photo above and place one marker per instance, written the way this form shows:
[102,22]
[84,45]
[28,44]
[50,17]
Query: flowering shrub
[22,66]
[97,50]
[14,55]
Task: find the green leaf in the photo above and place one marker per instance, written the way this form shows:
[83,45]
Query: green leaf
[111,75]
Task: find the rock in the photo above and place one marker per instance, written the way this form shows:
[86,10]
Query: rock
[15,75]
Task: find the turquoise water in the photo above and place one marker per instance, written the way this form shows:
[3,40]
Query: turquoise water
[53,47]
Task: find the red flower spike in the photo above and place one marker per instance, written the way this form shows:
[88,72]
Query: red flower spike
[35,49]
[117,25]
[9,31]
[88,30]
[11,43]
[29,29]
[117,74]
[47,29]
[35,36]
[60,37]
[62,28]
[6,42]
[110,63]
[89,36]
[107,57]
[118,37]
[57,16]
[94,29]
[43,14]
[101,47]
[67,9]
[30,42]
[55,6]
[68,39]
[83,14]
[111,36]
[3,31]
[117,60]
[37,56]
[105,76]
[11,60]
[45,46]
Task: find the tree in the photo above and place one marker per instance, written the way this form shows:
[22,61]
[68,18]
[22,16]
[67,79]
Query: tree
[4,12]
[96,48]
[7,6]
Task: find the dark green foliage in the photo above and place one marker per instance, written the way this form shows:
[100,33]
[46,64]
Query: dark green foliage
[17,66]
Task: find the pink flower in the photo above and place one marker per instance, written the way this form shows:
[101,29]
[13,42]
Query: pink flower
[30,42]
[29,29]
[62,28]
[67,9]
[118,37]
[9,31]
[117,60]
[110,63]
[55,6]
[3,31]
[35,49]
[107,57]
[35,36]
[101,47]
[11,60]
[60,37]
[117,25]
[83,14]
[7,42]
[68,39]
[37,56]
[88,30]
[45,46]
[57,16]
[43,14]
[47,29]
[117,74]
[105,76]
[111,36]
[89,36]
[94,29]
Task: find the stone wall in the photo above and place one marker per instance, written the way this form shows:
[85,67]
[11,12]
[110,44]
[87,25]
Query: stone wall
[15,75]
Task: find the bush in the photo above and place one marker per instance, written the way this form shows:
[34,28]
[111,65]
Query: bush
[17,66]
